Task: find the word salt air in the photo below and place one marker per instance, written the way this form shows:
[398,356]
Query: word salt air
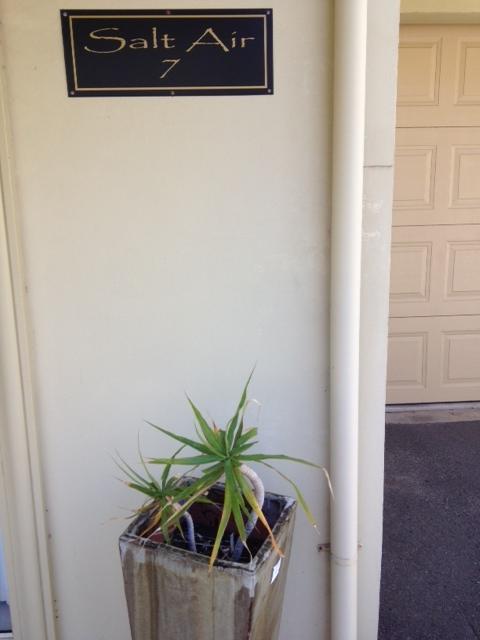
[165,41]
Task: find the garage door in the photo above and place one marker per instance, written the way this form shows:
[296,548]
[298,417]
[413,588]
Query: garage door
[434,343]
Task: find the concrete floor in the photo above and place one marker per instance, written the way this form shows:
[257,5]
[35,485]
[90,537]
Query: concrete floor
[433,414]
[431,557]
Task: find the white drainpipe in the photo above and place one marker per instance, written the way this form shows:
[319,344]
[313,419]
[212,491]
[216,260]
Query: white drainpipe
[347,191]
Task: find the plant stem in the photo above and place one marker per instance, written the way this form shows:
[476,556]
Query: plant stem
[259,491]
[190,527]
[190,533]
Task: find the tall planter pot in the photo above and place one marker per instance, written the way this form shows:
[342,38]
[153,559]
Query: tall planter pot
[172,596]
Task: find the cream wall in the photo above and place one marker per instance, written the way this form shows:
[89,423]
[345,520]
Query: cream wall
[169,244]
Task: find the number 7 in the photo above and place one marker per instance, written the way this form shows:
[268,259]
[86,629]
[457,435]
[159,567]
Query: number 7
[173,63]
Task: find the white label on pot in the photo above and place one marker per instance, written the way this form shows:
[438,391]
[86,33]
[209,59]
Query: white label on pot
[276,571]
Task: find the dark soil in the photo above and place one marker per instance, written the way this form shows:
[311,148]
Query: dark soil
[206,518]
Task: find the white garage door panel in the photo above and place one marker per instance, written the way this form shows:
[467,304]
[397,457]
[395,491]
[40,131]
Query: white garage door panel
[419,70]
[437,176]
[434,359]
[435,271]
[407,351]
[439,71]
[434,347]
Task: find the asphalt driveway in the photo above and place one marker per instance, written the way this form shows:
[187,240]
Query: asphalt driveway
[431,552]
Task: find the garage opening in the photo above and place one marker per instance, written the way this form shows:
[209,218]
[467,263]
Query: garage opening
[434,343]
[429,586]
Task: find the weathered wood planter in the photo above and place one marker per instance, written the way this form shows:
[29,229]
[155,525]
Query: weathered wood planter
[172,596]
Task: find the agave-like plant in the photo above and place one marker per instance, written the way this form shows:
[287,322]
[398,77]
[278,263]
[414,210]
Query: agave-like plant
[162,500]
[224,454]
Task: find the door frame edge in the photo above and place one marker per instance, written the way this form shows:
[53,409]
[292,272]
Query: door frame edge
[22,504]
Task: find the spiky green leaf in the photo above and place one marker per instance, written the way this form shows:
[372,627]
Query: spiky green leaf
[232,425]
[209,434]
[245,438]
[227,510]
[186,441]
[189,461]
[230,480]
[259,457]
[251,499]
[303,503]
[166,471]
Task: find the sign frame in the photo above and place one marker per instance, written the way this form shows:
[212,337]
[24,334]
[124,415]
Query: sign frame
[260,67]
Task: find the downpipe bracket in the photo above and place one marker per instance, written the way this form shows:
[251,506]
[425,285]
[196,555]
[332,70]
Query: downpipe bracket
[326,546]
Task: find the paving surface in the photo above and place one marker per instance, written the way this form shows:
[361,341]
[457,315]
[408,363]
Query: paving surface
[431,415]
[431,552]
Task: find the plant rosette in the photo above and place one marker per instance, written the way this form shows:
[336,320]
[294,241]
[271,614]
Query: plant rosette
[220,454]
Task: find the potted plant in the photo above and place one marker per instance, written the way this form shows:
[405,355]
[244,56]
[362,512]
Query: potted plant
[205,560]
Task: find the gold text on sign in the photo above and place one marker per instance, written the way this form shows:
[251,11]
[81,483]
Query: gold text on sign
[164,41]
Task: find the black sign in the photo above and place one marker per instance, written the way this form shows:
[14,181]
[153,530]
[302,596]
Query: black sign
[168,52]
